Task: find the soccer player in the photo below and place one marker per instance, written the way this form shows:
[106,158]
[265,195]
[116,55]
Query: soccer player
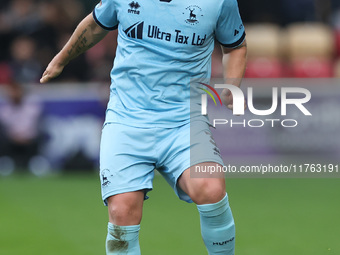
[163,45]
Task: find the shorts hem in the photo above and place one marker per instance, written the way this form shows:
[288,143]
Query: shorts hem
[220,161]
[126,190]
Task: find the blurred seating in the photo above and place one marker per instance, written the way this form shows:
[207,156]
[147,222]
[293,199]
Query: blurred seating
[264,68]
[337,42]
[312,68]
[302,50]
[337,69]
[263,40]
[310,50]
[305,40]
[263,51]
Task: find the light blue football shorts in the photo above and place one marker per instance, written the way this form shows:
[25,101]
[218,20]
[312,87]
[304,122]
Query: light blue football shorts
[129,155]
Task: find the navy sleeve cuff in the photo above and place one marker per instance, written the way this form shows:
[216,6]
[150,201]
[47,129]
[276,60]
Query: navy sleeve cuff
[235,44]
[100,24]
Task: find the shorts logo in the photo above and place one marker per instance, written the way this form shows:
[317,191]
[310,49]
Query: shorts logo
[217,151]
[212,141]
[193,11]
[104,175]
[134,6]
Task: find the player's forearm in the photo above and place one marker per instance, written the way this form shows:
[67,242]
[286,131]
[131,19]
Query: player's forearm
[234,63]
[86,35]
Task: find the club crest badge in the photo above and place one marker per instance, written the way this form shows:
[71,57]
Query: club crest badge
[193,14]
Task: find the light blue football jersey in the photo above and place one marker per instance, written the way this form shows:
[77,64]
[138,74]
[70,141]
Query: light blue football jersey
[162,46]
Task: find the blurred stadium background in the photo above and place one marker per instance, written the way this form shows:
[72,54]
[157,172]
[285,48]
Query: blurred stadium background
[49,137]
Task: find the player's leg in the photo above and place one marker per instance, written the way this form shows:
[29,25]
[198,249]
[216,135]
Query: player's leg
[192,145]
[189,146]
[126,173]
[217,223]
[125,214]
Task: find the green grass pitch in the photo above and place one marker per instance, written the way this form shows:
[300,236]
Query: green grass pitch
[65,215]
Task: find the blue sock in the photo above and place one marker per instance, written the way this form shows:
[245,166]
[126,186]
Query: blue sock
[122,240]
[217,227]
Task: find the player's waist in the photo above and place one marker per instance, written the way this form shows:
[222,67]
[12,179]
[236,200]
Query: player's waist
[147,118]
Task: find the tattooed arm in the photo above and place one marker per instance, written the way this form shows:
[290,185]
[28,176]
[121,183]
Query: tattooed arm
[86,35]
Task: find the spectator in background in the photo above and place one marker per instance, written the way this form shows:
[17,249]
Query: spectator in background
[20,16]
[17,17]
[29,34]
[20,140]
[25,67]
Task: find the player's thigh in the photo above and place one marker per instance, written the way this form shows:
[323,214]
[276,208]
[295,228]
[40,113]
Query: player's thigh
[191,146]
[126,208]
[204,189]
[126,171]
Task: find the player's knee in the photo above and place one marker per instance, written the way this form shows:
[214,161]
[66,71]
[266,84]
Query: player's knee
[208,191]
[124,212]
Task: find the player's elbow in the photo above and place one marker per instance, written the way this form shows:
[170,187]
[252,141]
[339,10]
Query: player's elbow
[93,28]
[241,50]
[239,53]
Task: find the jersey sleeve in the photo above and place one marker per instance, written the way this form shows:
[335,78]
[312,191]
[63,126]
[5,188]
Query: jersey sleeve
[105,15]
[229,28]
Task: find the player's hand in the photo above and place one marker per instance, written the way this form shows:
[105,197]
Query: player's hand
[52,71]
[227,99]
